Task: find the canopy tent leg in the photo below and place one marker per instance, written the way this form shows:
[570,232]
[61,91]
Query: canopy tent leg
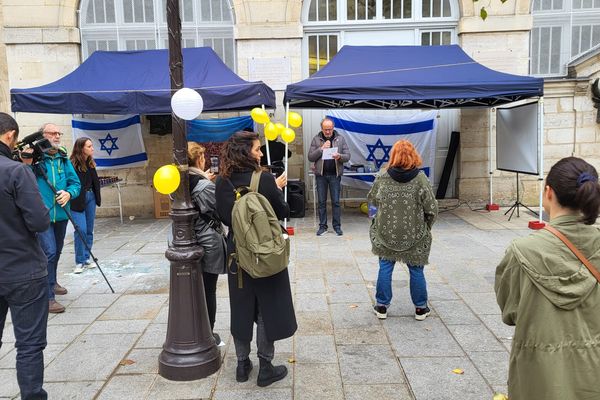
[491,206]
[285,158]
[266,143]
[539,224]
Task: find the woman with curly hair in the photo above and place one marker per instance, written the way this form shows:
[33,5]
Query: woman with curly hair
[401,229]
[551,297]
[266,301]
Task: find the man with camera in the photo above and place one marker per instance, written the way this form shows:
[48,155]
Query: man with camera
[63,178]
[23,265]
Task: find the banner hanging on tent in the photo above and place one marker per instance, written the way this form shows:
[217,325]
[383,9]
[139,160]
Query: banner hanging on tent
[117,141]
[216,130]
[371,137]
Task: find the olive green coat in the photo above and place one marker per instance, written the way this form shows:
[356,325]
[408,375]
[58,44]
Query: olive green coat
[554,303]
[401,229]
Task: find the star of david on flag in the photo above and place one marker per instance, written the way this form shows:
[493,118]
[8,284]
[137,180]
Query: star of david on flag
[113,143]
[371,137]
[117,140]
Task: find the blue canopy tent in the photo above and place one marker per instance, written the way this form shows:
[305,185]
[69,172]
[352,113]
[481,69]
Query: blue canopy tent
[137,82]
[394,77]
[391,77]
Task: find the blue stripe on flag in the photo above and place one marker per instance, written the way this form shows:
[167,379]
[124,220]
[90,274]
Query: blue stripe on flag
[111,162]
[373,129]
[105,126]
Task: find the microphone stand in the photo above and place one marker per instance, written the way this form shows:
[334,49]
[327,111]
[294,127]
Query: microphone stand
[39,170]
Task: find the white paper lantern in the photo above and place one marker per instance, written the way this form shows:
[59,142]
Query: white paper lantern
[187,104]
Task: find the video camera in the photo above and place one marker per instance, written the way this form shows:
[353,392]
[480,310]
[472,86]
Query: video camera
[35,141]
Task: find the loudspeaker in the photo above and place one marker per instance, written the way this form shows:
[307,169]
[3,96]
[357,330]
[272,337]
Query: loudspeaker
[295,198]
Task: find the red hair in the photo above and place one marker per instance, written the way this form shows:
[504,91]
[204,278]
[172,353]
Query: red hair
[404,155]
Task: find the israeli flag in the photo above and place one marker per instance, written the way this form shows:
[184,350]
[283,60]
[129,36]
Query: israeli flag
[371,137]
[117,141]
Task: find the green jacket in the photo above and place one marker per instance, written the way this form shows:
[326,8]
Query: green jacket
[62,176]
[554,303]
[401,229]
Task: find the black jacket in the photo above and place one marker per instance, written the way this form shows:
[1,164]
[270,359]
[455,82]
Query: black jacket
[78,203]
[271,295]
[22,215]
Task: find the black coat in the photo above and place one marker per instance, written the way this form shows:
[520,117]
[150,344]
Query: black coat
[22,215]
[271,295]
[90,177]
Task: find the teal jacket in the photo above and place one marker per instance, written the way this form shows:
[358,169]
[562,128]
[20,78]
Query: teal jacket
[62,176]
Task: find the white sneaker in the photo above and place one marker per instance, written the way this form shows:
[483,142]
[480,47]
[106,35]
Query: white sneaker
[78,269]
[89,261]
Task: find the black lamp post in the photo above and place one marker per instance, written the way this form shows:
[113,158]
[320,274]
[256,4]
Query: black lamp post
[190,351]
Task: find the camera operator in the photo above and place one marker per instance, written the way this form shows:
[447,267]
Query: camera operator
[23,282]
[63,177]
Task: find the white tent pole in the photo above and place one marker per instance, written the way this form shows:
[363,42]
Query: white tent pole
[541,139]
[266,142]
[285,170]
[490,156]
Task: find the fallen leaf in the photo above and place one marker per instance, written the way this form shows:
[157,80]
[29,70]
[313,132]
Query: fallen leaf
[291,360]
[458,371]
[126,362]
[499,396]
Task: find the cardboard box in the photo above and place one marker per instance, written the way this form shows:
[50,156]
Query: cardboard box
[162,205]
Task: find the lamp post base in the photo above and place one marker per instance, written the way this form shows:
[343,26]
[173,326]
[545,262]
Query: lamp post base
[190,351]
[189,367]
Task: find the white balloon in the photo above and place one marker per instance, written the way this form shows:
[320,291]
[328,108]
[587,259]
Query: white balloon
[187,103]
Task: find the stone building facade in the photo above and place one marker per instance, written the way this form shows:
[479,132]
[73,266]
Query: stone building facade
[42,41]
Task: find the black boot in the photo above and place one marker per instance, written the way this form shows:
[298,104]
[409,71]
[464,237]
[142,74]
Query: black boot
[268,373]
[243,370]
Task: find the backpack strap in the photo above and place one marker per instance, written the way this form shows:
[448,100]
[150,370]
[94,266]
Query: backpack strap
[255,181]
[575,251]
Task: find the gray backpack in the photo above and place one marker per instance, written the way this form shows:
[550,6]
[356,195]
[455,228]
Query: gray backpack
[262,247]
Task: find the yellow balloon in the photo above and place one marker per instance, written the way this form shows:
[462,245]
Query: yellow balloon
[288,135]
[271,132]
[166,179]
[294,119]
[259,115]
[280,127]
[364,208]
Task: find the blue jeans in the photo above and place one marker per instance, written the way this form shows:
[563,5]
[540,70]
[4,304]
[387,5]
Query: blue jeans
[85,222]
[28,303]
[334,184]
[52,241]
[418,286]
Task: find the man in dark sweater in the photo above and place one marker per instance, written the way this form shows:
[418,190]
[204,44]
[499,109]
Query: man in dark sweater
[23,282]
[328,172]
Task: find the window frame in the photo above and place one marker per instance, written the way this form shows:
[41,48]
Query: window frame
[567,17]
[341,25]
[122,31]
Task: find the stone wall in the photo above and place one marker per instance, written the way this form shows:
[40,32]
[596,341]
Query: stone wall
[41,44]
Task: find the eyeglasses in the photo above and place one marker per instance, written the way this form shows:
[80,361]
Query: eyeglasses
[54,133]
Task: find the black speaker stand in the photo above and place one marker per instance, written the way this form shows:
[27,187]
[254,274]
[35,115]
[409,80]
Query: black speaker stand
[517,204]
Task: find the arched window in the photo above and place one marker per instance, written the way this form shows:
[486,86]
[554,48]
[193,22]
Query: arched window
[562,30]
[142,25]
[329,24]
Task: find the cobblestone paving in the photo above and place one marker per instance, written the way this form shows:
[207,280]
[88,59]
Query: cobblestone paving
[340,351]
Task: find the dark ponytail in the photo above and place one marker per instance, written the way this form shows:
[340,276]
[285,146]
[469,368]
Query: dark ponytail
[575,183]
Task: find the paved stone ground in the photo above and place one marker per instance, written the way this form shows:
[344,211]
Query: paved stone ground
[340,351]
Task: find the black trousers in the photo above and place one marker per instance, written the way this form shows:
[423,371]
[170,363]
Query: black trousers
[210,291]
[28,304]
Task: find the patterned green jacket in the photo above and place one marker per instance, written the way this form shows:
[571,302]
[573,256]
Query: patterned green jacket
[401,229]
